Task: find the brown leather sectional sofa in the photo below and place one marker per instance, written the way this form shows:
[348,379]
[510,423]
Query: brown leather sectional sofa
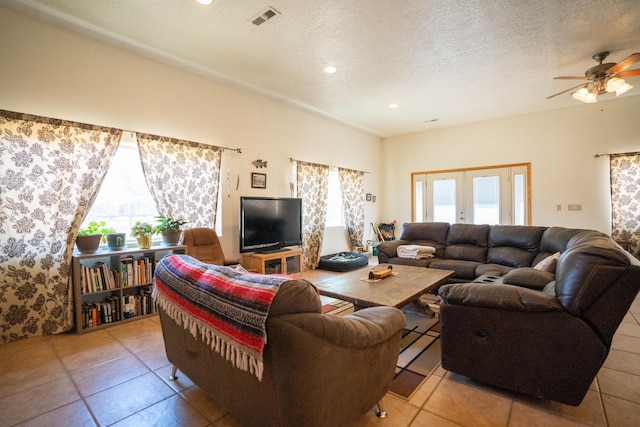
[506,323]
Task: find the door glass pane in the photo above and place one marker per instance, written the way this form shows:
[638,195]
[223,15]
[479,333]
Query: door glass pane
[444,200]
[418,202]
[518,199]
[486,200]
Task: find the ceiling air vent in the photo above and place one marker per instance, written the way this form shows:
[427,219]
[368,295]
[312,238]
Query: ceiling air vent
[265,16]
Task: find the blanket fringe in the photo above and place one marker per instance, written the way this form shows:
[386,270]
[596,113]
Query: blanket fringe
[226,348]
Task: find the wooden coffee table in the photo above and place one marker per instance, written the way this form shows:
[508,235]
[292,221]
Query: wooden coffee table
[405,285]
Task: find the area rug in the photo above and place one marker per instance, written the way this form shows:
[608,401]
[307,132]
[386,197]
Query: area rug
[420,348]
[419,351]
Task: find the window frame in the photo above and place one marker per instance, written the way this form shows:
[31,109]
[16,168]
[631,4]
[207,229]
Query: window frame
[467,173]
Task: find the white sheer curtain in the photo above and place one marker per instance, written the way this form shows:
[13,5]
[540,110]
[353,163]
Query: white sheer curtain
[183,177]
[625,199]
[312,183]
[50,173]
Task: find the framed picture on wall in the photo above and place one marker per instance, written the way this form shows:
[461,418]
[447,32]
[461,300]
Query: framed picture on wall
[258,180]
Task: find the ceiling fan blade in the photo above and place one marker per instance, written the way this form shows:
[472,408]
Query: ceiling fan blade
[624,64]
[565,91]
[570,78]
[629,73]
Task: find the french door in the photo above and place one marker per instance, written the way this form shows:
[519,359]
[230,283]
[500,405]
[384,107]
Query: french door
[493,195]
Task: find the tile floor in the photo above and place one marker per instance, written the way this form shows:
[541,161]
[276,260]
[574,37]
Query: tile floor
[118,376]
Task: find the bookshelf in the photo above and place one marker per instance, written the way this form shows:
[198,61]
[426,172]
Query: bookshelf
[111,287]
[283,262]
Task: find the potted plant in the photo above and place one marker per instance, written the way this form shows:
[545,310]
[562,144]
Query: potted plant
[88,239]
[115,241]
[170,229]
[142,231]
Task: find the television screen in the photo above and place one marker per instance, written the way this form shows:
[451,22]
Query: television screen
[268,224]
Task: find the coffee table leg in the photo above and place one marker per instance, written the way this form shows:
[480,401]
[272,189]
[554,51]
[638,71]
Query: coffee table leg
[429,312]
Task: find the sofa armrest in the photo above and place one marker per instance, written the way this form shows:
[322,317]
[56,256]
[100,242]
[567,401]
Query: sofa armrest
[390,248]
[361,329]
[528,277]
[500,296]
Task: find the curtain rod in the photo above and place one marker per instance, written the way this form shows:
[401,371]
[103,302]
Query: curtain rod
[291,159]
[237,150]
[613,154]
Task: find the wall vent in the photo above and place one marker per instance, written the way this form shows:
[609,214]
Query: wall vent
[265,16]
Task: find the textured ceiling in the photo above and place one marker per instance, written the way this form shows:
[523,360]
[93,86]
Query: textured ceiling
[456,61]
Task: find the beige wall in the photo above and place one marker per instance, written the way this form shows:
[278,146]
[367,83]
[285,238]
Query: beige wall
[49,71]
[53,72]
[559,144]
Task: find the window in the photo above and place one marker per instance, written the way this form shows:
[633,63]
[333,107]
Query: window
[335,210]
[124,197]
[491,195]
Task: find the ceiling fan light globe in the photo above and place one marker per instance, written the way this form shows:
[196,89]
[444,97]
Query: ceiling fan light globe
[591,98]
[580,94]
[622,89]
[614,84]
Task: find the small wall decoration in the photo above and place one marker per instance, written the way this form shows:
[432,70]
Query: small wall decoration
[373,199]
[368,197]
[259,163]
[258,180]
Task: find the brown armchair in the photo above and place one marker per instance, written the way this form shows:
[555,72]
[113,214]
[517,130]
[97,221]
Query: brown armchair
[203,244]
[319,370]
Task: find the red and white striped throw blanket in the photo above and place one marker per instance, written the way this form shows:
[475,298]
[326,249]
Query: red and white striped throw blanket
[227,307]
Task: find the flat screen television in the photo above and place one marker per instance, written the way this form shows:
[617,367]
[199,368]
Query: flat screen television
[268,224]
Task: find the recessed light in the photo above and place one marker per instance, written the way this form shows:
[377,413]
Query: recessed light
[393,105]
[330,69]
[205,2]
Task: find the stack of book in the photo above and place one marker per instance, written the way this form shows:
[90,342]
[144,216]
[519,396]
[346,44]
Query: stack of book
[131,272]
[114,309]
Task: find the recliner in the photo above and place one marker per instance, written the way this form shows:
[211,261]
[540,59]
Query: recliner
[548,343]
[203,244]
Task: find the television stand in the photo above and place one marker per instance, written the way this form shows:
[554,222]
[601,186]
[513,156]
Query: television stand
[283,261]
[272,251]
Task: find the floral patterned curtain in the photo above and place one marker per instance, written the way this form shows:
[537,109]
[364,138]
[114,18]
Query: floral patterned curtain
[352,188]
[625,199]
[183,177]
[312,182]
[51,171]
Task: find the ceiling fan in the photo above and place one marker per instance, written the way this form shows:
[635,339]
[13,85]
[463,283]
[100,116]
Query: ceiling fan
[602,78]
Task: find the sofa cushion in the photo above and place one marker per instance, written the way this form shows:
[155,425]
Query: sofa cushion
[424,262]
[528,277]
[514,245]
[492,269]
[464,269]
[587,270]
[467,242]
[432,231]
[296,296]
[555,239]
[426,234]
